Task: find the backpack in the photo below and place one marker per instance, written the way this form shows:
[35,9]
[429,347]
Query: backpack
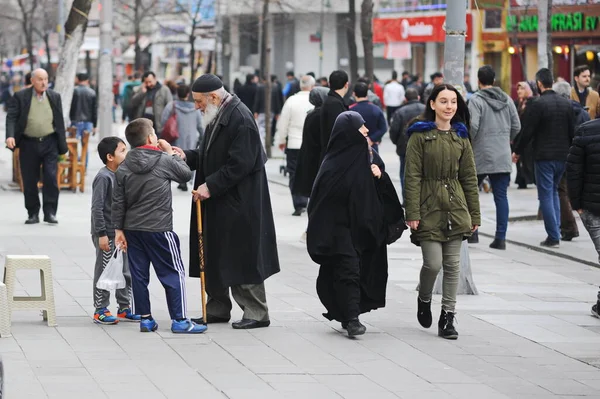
[170,132]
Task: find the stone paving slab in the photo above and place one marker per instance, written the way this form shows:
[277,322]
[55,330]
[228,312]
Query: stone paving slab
[527,335]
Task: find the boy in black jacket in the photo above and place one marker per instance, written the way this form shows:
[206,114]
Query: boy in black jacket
[143,218]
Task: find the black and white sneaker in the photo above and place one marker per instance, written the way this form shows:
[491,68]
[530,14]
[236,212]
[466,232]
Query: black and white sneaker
[595,310]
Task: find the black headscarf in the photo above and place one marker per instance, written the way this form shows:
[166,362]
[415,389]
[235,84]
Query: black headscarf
[345,212]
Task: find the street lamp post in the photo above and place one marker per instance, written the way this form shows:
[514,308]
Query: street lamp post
[454,70]
[321,28]
[105,94]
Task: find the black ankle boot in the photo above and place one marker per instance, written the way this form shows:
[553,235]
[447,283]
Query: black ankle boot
[424,313]
[355,327]
[446,325]
[498,244]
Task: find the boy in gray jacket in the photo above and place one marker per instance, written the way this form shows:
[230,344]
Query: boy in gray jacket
[112,152]
[143,219]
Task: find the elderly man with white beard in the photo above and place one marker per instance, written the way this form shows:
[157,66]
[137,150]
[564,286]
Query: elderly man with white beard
[240,246]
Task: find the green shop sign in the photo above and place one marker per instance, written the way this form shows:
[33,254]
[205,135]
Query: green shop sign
[569,22]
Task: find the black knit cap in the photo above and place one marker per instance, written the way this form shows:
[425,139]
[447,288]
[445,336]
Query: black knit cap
[206,84]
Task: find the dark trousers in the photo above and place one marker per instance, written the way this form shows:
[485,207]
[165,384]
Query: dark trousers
[568,225]
[162,249]
[338,287]
[102,297]
[525,169]
[500,183]
[390,113]
[251,298]
[591,222]
[33,154]
[292,162]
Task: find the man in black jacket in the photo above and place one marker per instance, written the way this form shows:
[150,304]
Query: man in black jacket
[583,165]
[35,125]
[333,106]
[84,108]
[549,124]
[259,107]
[568,224]
[247,92]
[407,112]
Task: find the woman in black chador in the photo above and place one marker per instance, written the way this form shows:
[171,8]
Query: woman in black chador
[353,213]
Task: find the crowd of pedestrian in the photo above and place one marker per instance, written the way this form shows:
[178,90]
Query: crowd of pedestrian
[451,141]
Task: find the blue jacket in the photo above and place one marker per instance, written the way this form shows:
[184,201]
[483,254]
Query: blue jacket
[374,119]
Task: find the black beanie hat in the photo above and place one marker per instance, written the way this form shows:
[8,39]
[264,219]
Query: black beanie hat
[206,84]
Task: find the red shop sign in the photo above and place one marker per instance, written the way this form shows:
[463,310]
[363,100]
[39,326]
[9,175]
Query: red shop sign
[415,29]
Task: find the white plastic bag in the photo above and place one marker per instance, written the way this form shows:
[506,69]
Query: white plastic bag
[112,277]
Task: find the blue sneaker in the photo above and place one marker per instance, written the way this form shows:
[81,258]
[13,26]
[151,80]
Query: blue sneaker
[187,327]
[127,315]
[103,316]
[147,325]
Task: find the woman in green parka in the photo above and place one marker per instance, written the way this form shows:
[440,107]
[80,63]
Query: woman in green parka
[442,200]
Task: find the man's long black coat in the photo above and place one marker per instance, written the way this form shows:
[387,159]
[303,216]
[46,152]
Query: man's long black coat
[239,233]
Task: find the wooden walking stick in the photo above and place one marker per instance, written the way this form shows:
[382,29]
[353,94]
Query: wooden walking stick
[201,258]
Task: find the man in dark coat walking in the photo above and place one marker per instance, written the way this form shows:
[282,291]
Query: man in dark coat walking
[35,125]
[239,232]
[549,124]
[400,119]
[334,105]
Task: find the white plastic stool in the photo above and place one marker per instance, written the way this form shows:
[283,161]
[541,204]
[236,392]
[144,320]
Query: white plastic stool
[4,313]
[45,302]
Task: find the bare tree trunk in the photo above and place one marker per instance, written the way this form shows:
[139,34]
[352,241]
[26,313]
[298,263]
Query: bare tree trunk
[138,34]
[192,55]
[265,64]
[75,28]
[29,43]
[351,37]
[263,38]
[49,67]
[28,11]
[366,30]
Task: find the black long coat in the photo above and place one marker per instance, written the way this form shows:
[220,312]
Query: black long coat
[309,158]
[239,233]
[348,217]
[310,154]
[332,107]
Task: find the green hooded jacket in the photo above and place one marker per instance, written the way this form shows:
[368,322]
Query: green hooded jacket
[441,182]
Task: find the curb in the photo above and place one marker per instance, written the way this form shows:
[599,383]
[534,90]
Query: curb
[271,181]
[545,251]
[526,218]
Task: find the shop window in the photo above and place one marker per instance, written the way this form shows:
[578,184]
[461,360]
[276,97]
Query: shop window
[492,20]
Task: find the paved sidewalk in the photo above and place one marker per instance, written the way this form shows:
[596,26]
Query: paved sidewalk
[527,335]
